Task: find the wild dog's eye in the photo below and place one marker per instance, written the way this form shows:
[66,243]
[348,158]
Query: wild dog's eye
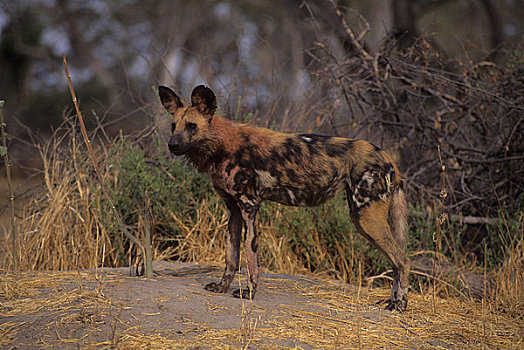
[173,127]
[191,126]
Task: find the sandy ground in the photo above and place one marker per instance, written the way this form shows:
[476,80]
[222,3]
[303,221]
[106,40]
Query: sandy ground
[111,309]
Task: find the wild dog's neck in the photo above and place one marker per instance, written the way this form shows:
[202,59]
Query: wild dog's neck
[212,150]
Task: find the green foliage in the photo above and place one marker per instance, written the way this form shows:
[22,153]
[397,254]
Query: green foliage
[501,237]
[169,183]
[516,60]
[324,238]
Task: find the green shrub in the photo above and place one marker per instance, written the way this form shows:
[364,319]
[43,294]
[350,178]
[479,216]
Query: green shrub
[170,184]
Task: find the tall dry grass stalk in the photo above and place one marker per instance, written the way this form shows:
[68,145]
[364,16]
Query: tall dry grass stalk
[120,222]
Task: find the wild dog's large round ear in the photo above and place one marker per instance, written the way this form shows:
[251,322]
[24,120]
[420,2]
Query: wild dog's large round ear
[169,99]
[204,100]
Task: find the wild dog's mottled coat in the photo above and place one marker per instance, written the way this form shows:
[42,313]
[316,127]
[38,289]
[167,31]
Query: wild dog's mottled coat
[247,165]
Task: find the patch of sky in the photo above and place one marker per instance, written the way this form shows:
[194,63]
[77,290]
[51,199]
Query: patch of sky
[57,40]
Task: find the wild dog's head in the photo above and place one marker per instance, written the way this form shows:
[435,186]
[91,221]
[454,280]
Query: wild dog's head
[190,124]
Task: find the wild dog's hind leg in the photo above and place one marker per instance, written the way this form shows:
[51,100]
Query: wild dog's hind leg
[236,222]
[371,221]
[249,213]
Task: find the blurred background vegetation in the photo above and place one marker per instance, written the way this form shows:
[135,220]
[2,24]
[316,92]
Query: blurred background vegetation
[260,50]
[439,84]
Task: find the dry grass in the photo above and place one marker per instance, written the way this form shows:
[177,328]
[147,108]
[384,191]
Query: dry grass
[60,228]
[509,278]
[62,293]
[29,285]
[465,328]
[328,321]
[203,238]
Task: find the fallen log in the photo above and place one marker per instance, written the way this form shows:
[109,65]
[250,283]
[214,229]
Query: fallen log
[475,285]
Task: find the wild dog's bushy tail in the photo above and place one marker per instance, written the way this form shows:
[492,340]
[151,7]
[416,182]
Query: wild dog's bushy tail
[397,218]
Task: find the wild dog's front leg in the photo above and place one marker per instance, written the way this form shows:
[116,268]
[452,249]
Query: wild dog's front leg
[251,245]
[232,249]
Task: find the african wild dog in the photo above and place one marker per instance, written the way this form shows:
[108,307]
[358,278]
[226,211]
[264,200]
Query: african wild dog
[248,164]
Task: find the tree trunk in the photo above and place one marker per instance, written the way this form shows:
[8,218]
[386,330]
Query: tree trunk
[404,23]
[496,29]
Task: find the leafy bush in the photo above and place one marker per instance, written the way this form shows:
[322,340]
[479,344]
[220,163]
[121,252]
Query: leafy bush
[173,188]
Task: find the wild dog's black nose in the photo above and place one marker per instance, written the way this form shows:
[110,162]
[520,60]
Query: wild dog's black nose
[175,146]
[172,147]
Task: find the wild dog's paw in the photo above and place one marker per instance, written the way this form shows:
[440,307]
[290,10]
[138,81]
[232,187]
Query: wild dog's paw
[399,305]
[244,294]
[216,287]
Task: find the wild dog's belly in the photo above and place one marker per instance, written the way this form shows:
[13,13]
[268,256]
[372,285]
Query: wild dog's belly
[252,185]
[308,191]
[294,197]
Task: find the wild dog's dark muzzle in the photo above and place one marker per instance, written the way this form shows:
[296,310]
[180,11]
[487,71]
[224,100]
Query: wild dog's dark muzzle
[176,146]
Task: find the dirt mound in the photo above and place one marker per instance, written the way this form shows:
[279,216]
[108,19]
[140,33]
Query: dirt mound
[109,308]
